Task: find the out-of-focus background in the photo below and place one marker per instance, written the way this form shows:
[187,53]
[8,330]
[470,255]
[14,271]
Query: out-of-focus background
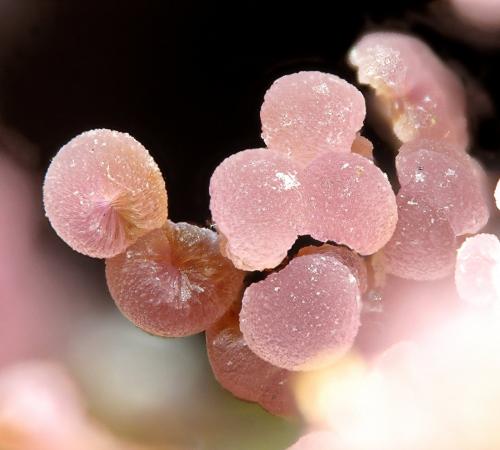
[186,79]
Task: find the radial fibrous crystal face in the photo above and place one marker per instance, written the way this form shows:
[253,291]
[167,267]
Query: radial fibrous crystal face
[242,372]
[423,245]
[477,273]
[304,317]
[350,202]
[306,114]
[256,204]
[174,281]
[418,103]
[102,191]
[451,185]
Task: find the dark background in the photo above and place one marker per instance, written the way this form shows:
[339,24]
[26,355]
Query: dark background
[187,79]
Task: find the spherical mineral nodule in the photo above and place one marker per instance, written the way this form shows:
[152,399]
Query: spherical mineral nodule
[423,246]
[256,204]
[174,281]
[478,269]
[350,202]
[242,372]
[102,191]
[450,184]
[303,317]
[306,114]
[418,103]
[350,259]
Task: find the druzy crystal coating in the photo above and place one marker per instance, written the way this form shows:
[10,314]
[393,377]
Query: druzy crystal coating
[418,102]
[306,114]
[102,191]
[477,273]
[174,281]
[350,202]
[256,204]
[303,317]
[423,245]
[242,372]
[449,184]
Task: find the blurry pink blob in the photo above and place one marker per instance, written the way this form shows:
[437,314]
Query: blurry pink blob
[174,281]
[423,246]
[243,373]
[477,273]
[102,191]
[303,317]
[307,114]
[451,185]
[350,201]
[480,13]
[256,205]
[318,440]
[350,259]
[420,95]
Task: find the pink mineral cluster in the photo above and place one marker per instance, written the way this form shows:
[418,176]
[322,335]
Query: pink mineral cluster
[243,373]
[350,202]
[102,191]
[256,204]
[306,114]
[174,281]
[304,316]
[418,103]
[477,273]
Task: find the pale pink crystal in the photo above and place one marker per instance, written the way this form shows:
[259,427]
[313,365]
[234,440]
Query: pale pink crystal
[306,114]
[478,270]
[449,184]
[317,440]
[102,191]
[243,373]
[350,259]
[351,202]
[420,95]
[256,204]
[423,246]
[305,316]
[174,281]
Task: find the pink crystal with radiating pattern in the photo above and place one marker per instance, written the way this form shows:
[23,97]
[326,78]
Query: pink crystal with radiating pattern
[256,204]
[350,202]
[102,191]
[243,373]
[306,114]
[451,185]
[303,317]
[174,281]
[420,96]
[423,246]
[477,273]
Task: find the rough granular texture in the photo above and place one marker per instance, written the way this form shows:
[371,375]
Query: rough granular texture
[306,114]
[317,440]
[451,185]
[418,103]
[102,191]
[350,202]
[174,281]
[423,247]
[350,259]
[304,317]
[477,273]
[243,373]
[257,206]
